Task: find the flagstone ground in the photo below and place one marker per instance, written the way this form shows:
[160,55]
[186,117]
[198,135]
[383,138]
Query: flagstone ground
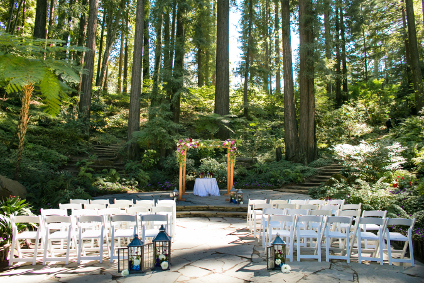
[217,249]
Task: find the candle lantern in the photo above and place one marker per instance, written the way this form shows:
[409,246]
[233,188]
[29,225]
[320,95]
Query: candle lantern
[233,193]
[276,253]
[123,259]
[135,255]
[162,248]
[239,196]
[174,194]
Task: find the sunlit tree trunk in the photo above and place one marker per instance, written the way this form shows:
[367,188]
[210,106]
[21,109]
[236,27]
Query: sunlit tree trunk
[277,50]
[125,79]
[222,88]
[146,49]
[247,70]
[99,59]
[136,82]
[87,77]
[290,124]
[121,59]
[328,43]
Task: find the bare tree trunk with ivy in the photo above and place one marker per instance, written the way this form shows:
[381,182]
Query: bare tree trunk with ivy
[22,126]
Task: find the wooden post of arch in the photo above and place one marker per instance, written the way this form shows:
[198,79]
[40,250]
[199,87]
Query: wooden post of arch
[181,188]
[184,171]
[228,172]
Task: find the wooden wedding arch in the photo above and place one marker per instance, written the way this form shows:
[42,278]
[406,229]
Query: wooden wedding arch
[185,144]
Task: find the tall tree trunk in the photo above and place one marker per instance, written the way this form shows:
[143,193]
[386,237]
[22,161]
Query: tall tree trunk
[105,85]
[17,17]
[307,142]
[81,36]
[10,20]
[179,62]
[121,59]
[87,77]
[40,19]
[267,82]
[166,60]
[277,50]
[99,59]
[125,85]
[222,89]
[327,37]
[291,136]
[365,57]
[136,82]
[339,99]
[169,85]
[22,126]
[155,100]
[406,42]
[247,71]
[146,50]
[344,63]
[415,59]
[51,17]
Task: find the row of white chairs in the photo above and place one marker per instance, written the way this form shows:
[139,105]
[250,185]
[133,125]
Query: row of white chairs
[123,204]
[258,204]
[56,235]
[297,229]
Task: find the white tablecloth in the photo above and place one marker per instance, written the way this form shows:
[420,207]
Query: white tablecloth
[206,187]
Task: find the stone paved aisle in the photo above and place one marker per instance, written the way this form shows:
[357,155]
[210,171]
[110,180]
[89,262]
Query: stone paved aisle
[217,250]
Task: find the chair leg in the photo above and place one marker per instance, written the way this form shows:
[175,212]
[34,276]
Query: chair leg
[327,248]
[12,250]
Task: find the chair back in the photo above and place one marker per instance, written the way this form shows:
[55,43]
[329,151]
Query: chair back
[137,210]
[339,219]
[321,212]
[374,213]
[95,206]
[371,220]
[90,218]
[145,201]
[261,206]
[273,211]
[81,212]
[53,211]
[57,219]
[122,206]
[339,202]
[100,201]
[286,206]
[352,213]
[71,206]
[318,202]
[82,201]
[128,202]
[401,222]
[352,206]
[297,201]
[24,219]
[308,206]
[307,220]
[276,202]
[297,212]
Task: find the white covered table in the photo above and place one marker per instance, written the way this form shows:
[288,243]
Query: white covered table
[206,187]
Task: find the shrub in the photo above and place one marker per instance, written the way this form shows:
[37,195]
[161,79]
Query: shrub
[9,206]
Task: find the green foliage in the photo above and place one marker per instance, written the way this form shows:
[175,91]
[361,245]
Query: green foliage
[320,162]
[149,159]
[219,170]
[111,175]
[367,160]
[9,206]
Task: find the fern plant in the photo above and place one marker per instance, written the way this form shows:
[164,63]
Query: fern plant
[27,64]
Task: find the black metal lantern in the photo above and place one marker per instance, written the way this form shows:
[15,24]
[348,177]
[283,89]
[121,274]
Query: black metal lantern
[174,194]
[135,255]
[276,253]
[239,196]
[162,248]
[233,193]
[123,259]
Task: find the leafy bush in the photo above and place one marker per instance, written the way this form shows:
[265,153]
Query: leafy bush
[219,170]
[9,206]
[320,162]
[367,160]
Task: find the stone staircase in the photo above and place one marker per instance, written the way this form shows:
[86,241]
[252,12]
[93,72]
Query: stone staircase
[324,174]
[211,211]
[107,158]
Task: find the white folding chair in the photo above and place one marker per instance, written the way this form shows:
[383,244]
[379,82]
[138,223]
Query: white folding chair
[379,239]
[122,227]
[151,223]
[265,223]
[147,205]
[285,206]
[250,211]
[352,206]
[333,207]
[330,233]
[100,201]
[371,227]
[285,229]
[91,227]
[57,229]
[257,217]
[81,201]
[339,202]
[173,204]
[128,202]
[95,206]
[305,231]
[145,201]
[396,236]
[168,211]
[121,206]
[33,234]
